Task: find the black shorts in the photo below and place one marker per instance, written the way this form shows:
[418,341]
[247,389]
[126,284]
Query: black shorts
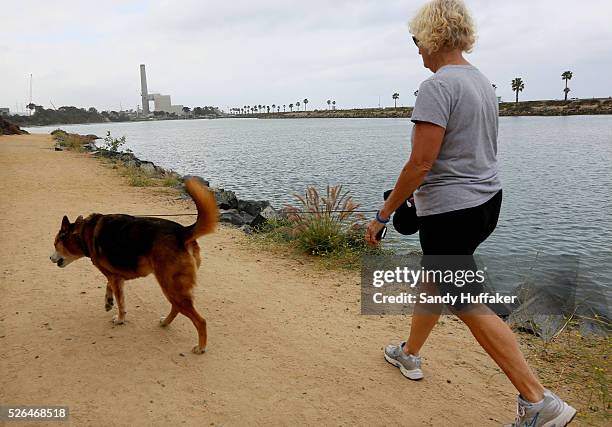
[449,239]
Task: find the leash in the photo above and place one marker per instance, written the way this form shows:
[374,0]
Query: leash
[300,212]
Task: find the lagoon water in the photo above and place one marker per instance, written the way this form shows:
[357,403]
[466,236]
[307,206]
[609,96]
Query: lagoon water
[556,172]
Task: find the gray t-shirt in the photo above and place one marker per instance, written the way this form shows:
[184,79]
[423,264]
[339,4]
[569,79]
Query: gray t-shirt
[460,99]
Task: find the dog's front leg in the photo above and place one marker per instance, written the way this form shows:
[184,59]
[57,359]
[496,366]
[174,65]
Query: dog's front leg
[108,298]
[117,287]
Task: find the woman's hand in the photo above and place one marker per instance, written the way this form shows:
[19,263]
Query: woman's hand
[373,228]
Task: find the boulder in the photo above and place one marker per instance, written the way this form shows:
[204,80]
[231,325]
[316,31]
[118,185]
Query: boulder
[148,167]
[267,214]
[231,216]
[252,207]
[225,199]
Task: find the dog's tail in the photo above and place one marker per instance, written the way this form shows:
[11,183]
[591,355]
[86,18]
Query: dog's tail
[208,212]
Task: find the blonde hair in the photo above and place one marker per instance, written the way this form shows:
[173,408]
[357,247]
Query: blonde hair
[444,24]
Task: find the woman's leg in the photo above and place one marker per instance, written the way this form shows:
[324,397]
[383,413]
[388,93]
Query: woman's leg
[424,318]
[498,340]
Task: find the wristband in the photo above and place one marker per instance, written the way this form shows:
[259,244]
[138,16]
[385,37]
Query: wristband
[381,219]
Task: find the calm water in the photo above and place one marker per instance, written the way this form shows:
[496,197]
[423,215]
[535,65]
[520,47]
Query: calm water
[556,171]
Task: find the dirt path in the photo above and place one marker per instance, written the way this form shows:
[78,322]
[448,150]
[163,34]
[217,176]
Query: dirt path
[287,344]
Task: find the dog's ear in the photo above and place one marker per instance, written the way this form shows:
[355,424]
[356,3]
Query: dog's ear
[79,219]
[65,224]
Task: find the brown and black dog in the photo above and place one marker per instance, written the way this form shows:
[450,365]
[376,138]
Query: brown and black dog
[125,247]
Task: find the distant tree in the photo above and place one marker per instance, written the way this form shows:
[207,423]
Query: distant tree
[567,75]
[291,107]
[273,107]
[328,104]
[268,108]
[517,86]
[305,102]
[416,92]
[284,109]
[395,98]
[297,105]
[278,108]
[334,105]
[186,110]
[92,110]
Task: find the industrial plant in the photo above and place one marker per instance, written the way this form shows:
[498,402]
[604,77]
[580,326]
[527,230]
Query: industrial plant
[160,102]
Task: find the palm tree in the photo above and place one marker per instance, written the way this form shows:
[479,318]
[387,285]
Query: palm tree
[567,75]
[395,98]
[334,105]
[305,102]
[186,110]
[291,107]
[284,108]
[297,104]
[517,86]
[328,103]
[268,109]
[278,108]
[273,107]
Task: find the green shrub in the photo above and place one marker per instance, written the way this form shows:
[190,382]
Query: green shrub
[114,144]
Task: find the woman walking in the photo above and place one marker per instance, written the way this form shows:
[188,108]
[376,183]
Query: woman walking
[452,175]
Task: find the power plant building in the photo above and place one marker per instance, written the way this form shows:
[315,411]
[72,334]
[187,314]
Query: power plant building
[160,102]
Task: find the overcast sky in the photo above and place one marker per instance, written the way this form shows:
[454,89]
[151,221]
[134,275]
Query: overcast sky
[244,52]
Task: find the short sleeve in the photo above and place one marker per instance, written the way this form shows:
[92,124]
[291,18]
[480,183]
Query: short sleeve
[433,103]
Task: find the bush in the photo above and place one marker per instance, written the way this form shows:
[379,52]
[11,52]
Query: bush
[114,145]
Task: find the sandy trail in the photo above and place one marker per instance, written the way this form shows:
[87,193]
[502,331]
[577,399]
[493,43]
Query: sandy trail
[287,344]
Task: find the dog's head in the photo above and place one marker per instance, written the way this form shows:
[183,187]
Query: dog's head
[68,246]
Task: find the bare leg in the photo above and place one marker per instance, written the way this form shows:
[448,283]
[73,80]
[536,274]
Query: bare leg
[424,318]
[498,340]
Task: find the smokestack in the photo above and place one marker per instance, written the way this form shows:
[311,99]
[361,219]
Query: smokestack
[143,89]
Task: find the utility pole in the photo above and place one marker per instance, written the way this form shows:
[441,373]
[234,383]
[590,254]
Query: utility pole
[29,109]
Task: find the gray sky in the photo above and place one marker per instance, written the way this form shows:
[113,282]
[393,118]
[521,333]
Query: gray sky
[237,52]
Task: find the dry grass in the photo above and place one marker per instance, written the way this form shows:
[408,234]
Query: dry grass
[578,368]
[326,227]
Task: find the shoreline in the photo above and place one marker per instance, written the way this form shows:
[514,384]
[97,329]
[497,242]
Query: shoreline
[538,108]
[252,299]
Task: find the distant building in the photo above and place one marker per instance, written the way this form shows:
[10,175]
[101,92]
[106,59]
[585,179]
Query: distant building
[5,112]
[164,103]
[161,102]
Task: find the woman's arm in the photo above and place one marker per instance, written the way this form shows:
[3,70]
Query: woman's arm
[425,149]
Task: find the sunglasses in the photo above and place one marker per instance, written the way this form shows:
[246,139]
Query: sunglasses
[415,40]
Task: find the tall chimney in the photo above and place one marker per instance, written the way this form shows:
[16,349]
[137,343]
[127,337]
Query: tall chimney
[143,89]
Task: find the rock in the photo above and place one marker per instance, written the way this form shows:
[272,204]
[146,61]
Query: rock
[267,214]
[148,167]
[225,199]
[58,147]
[540,312]
[252,207]
[231,216]
[246,229]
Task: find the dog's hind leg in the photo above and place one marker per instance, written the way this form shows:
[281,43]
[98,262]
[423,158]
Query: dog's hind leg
[177,288]
[108,298]
[165,321]
[116,284]
[185,306]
